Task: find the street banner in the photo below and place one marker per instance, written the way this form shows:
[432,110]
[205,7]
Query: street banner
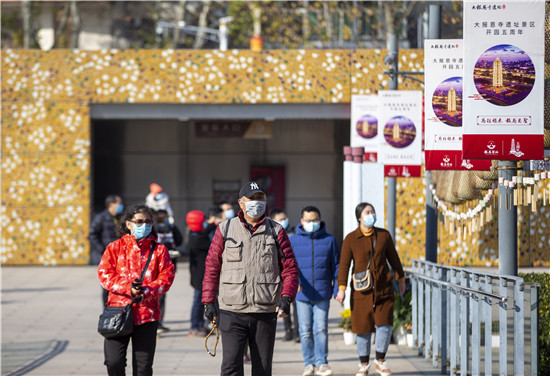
[400,130]
[364,125]
[443,69]
[503,80]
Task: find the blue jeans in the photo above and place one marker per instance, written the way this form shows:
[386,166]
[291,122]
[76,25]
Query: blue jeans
[313,327]
[383,337]
[197,311]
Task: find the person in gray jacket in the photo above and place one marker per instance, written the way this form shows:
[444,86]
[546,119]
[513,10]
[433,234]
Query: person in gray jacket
[251,263]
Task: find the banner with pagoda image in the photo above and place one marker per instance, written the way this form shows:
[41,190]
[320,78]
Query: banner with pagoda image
[503,109]
[364,125]
[443,69]
[400,125]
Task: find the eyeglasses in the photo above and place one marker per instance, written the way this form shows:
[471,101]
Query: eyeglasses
[139,222]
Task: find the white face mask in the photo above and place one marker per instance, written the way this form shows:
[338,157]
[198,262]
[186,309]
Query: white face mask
[284,223]
[255,209]
[229,213]
[311,226]
[369,220]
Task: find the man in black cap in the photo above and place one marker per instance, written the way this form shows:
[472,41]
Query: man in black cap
[251,265]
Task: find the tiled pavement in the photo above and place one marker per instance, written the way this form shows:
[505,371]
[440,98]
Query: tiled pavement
[49,321]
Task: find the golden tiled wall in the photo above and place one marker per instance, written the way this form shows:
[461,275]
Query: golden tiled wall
[45,136]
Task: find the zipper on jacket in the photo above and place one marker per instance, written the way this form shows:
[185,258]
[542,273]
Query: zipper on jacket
[313,266]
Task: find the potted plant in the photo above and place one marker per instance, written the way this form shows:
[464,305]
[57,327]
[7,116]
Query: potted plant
[345,323]
[402,319]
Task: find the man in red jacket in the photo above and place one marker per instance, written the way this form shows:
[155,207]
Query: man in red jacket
[251,265]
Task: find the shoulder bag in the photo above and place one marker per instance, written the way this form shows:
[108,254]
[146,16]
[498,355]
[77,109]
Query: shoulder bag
[363,281]
[117,322]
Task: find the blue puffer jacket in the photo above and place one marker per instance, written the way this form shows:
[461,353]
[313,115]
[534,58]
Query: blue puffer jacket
[318,257]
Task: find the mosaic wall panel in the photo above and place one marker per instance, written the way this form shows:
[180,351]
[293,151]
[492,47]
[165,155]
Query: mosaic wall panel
[314,76]
[219,76]
[36,76]
[45,138]
[133,76]
[37,235]
[368,71]
[410,235]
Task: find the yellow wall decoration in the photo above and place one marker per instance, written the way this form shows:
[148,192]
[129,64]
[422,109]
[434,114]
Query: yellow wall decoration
[45,137]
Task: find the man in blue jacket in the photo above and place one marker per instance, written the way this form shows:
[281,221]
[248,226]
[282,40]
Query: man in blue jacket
[318,256]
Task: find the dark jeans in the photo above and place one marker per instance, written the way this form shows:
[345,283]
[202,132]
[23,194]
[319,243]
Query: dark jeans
[259,329]
[197,311]
[144,341]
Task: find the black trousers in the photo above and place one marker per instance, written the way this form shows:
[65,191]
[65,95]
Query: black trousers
[292,330]
[144,342]
[259,329]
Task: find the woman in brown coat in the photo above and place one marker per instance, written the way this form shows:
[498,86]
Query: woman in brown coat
[371,310]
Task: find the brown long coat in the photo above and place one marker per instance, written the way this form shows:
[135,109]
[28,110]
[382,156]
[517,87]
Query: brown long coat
[358,247]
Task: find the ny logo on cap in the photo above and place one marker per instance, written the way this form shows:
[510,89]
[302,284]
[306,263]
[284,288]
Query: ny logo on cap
[254,186]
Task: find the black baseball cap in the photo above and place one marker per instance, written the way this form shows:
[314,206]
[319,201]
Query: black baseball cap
[249,189]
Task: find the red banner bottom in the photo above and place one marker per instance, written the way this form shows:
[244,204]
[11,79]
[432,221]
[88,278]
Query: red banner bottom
[395,171]
[503,146]
[452,160]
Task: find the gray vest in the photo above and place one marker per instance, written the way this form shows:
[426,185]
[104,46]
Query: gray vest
[250,277]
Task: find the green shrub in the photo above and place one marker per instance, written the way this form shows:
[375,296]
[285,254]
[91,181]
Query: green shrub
[544,318]
[402,311]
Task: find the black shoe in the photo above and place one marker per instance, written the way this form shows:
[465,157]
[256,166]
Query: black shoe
[288,337]
[163,328]
[297,339]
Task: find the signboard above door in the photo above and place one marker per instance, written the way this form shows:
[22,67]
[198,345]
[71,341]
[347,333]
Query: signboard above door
[238,129]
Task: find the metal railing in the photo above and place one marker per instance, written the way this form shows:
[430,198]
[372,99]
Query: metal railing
[454,311]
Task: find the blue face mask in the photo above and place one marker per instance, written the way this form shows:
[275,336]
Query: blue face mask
[284,223]
[229,213]
[119,208]
[369,220]
[142,231]
[311,226]
[255,209]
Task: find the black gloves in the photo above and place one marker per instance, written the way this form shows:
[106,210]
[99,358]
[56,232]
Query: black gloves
[284,304]
[137,297]
[210,311]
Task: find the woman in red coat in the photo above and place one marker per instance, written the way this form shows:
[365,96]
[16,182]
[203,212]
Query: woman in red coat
[121,264]
[370,248]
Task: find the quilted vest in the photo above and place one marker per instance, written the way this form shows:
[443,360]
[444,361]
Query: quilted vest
[250,277]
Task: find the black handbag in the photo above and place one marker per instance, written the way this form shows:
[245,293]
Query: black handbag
[117,322]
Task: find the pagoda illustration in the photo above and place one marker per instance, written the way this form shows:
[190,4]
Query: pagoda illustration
[396,132]
[365,127]
[451,101]
[514,149]
[498,83]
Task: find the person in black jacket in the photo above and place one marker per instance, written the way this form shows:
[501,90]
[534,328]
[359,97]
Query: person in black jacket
[170,235]
[103,231]
[197,247]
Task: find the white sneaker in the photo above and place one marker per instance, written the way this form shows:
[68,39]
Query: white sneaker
[309,371]
[381,367]
[323,370]
[363,369]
